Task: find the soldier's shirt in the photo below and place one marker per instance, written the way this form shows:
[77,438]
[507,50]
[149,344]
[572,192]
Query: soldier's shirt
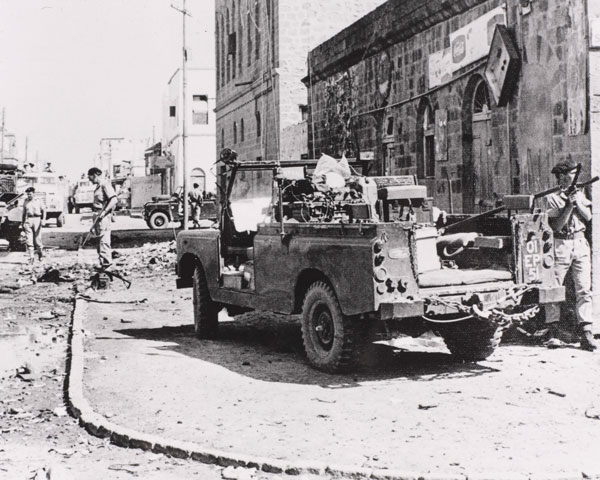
[555,202]
[195,196]
[33,207]
[102,195]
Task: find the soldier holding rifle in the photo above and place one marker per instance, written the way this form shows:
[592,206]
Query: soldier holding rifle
[105,200]
[569,212]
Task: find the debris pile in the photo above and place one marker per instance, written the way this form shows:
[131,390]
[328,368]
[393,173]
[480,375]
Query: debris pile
[151,256]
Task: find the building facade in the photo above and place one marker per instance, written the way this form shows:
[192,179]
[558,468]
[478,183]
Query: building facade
[200,126]
[261,50]
[477,98]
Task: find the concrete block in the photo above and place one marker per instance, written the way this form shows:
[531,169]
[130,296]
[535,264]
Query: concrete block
[141,443]
[119,439]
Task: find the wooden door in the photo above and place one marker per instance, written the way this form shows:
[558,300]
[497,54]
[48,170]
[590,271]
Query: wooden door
[483,172]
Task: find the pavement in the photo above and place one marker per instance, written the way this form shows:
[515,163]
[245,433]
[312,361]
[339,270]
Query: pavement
[138,377]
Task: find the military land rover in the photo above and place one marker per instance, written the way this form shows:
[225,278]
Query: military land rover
[367,256]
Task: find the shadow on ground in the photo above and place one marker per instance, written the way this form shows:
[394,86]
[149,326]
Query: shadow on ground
[269,348]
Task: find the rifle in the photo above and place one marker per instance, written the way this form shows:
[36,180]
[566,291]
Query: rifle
[112,274]
[574,186]
[91,231]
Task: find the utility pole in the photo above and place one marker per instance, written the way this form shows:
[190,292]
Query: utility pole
[183,122]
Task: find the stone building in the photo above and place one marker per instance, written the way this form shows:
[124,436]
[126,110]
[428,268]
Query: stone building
[261,53]
[477,98]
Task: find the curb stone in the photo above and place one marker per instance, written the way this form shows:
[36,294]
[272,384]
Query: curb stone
[99,426]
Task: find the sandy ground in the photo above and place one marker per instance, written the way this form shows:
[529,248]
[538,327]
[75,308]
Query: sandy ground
[38,439]
[527,411]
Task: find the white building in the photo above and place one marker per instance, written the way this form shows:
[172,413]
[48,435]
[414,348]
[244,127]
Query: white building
[199,114]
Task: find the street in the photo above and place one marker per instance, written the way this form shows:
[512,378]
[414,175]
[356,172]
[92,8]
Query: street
[528,410]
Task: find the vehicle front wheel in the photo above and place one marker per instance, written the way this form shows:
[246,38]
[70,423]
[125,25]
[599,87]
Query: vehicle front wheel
[332,340]
[206,312]
[472,340]
[158,220]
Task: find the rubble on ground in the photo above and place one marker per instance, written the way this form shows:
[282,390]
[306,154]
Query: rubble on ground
[151,256]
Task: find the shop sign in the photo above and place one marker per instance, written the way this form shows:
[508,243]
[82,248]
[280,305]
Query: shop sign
[473,41]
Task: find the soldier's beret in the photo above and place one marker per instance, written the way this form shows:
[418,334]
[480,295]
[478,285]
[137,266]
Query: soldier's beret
[564,167]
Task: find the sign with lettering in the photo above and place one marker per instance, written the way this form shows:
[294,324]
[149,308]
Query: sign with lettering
[473,41]
[532,261]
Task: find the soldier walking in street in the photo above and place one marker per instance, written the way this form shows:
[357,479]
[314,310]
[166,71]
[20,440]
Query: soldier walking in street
[196,201]
[569,212]
[105,200]
[34,215]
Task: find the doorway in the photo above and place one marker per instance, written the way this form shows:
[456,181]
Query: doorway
[478,160]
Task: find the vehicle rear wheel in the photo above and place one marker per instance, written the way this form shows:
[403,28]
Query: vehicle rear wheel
[332,340]
[158,220]
[206,312]
[77,209]
[60,220]
[472,340]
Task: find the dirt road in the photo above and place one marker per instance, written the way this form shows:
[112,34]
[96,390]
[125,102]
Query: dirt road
[38,439]
[528,412]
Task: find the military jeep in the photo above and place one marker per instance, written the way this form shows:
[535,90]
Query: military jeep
[164,209]
[366,258]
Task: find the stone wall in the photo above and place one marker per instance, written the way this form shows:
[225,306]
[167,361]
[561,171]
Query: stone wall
[370,86]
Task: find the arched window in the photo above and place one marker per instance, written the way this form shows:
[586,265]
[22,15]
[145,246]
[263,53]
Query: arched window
[218,45]
[426,141]
[227,32]
[232,38]
[481,100]
[240,36]
[250,25]
[223,49]
[234,133]
[242,133]
[258,23]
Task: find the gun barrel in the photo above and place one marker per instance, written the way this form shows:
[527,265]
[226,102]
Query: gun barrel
[535,196]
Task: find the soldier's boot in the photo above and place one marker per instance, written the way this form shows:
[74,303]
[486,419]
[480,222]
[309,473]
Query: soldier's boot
[553,331]
[588,342]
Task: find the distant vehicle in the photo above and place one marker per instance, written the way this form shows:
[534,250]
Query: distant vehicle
[52,189]
[164,209]
[83,195]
